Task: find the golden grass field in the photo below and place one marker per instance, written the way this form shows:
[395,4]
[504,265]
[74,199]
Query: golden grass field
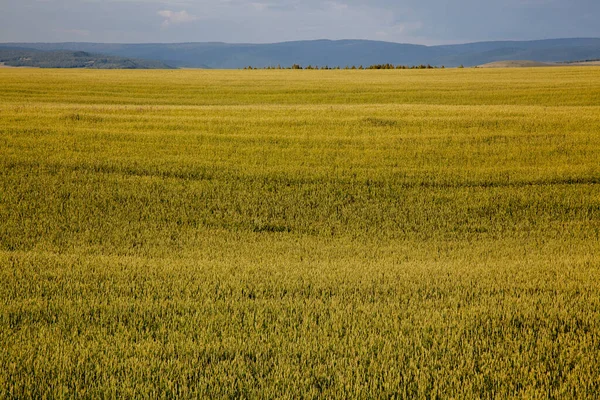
[300,234]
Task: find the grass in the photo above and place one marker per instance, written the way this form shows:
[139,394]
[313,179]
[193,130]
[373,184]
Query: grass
[285,234]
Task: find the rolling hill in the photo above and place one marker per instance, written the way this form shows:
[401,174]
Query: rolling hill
[27,57]
[337,53]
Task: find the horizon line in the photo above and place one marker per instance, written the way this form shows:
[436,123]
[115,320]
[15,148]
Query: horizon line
[307,40]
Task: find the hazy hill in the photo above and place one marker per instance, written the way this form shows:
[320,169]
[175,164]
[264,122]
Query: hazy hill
[341,52]
[529,64]
[519,64]
[24,57]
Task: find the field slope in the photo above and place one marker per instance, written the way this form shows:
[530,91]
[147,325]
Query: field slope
[285,234]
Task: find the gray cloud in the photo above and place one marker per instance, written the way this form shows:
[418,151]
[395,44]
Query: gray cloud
[415,21]
[176,17]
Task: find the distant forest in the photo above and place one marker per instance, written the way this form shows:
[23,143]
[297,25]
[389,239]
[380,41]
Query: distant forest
[16,57]
[374,66]
[334,53]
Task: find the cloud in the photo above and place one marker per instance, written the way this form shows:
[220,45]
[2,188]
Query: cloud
[260,6]
[336,5]
[266,21]
[176,17]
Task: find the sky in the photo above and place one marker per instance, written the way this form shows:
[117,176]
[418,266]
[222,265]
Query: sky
[426,22]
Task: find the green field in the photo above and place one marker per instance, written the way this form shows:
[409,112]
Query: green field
[300,234]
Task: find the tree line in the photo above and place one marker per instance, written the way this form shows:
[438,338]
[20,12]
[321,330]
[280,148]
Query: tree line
[374,66]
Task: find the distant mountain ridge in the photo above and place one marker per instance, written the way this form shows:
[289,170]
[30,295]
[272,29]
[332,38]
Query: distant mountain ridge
[28,57]
[337,53]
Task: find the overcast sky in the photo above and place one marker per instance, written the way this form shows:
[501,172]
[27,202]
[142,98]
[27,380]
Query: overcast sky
[265,21]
